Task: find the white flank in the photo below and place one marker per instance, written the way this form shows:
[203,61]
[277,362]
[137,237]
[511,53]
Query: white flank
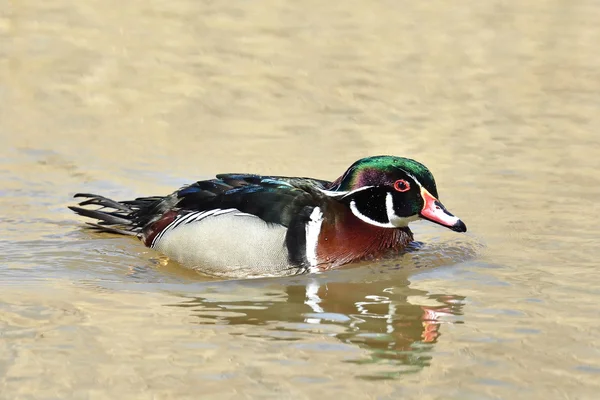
[186,219]
[228,210]
[313,228]
[227,243]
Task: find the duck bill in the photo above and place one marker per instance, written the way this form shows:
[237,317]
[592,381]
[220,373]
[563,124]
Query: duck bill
[434,211]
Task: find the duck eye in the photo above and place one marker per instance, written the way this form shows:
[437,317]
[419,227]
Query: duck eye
[401,185]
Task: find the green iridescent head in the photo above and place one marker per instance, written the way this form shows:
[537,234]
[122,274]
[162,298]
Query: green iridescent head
[390,192]
[384,170]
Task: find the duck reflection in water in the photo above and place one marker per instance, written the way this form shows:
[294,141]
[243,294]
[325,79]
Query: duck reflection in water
[394,322]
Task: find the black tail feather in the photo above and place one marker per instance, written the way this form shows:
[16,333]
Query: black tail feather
[94,199]
[111,216]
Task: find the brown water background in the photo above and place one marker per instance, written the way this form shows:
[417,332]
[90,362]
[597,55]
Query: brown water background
[501,99]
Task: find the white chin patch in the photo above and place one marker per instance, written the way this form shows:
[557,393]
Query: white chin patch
[396,221]
[399,222]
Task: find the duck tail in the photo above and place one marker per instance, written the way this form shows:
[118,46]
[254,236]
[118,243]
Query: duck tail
[112,216]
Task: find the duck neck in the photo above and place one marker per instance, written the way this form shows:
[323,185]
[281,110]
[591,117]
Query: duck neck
[345,238]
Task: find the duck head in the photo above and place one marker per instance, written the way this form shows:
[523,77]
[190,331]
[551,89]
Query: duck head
[390,192]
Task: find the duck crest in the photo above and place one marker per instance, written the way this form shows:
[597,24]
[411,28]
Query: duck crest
[348,239]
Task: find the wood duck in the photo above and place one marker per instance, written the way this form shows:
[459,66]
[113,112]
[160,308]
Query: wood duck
[253,225]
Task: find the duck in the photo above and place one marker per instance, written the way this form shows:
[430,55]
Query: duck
[248,225]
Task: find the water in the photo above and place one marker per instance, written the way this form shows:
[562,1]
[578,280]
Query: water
[499,99]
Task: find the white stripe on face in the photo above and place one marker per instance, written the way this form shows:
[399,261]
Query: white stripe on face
[366,219]
[334,194]
[395,220]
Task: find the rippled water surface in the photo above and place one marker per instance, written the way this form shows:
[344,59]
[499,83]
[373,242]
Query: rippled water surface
[501,99]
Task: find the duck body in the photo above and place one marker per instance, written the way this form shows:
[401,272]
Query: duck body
[243,225]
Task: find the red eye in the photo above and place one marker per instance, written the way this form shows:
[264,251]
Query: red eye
[401,185]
